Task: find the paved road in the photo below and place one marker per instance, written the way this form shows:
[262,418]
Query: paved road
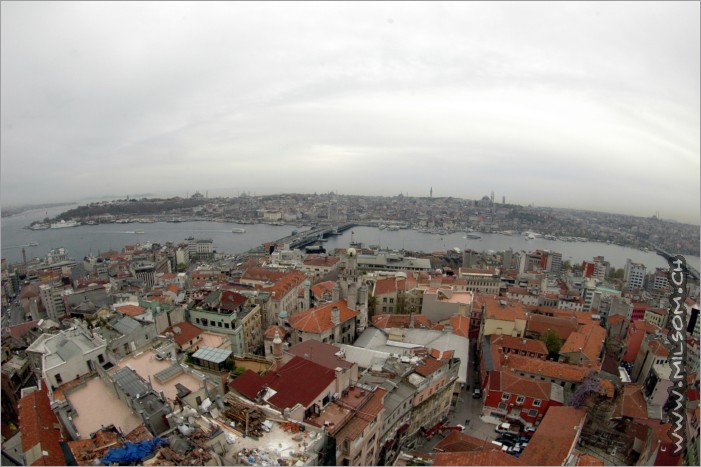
[467,408]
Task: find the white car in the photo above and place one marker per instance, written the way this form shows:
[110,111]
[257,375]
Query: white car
[503,428]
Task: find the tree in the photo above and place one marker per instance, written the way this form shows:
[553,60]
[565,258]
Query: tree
[182,267]
[552,342]
[567,265]
[617,273]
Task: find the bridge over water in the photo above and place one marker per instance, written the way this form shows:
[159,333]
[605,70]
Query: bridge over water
[690,270]
[309,237]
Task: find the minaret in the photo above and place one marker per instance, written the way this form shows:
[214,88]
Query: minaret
[336,321]
[336,292]
[352,298]
[307,294]
[431,192]
[277,350]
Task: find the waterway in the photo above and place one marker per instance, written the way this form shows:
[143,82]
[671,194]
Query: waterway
[83,240]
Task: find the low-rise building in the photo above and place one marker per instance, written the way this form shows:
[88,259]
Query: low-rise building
[68,355]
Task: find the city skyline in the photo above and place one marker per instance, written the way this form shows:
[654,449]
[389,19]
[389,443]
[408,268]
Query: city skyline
[579,105]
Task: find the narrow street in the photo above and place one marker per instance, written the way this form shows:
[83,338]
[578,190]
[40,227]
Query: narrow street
[466,409]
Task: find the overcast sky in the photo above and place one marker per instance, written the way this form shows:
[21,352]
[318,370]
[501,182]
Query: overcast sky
[582,105]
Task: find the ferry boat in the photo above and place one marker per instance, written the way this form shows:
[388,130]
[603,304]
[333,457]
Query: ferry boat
[139,232]
[64,224]
[472,235]
[39,227]
[239,230]
[33,244]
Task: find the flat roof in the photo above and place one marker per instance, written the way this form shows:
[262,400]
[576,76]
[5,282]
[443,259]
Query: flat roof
[98,407]
[212,355]
[145,364]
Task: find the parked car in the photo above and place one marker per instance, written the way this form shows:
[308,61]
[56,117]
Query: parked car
[506,442]
[503,428]
[508,435]
[477,393]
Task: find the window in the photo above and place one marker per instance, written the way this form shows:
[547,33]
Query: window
[219,324]
[536,403]
[520,400]
[506,396]
[532,412]
[226,325]
[101,359]
[59,381]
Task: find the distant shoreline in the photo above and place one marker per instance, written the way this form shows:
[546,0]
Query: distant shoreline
[14,210]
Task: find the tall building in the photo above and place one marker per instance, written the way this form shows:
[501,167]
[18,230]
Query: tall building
[52,299]
[634,275]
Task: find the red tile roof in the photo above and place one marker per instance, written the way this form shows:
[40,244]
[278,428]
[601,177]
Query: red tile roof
[506,381]
[563,327]
[546,368]
[20,330]
[317,320]
[631,403]
[184,333]
[509,312]
[429,366]
[38,426]
[555,437]
[131,310]
[299,381]
[364,414]
[589,340]
[658,348]
[388,285]
[587,460]
[321,353]
[389,320]
[326,261]
[486,457]
[615,319]
[460,324]
[458,441]
[442,354]
[519,343]
[319,289]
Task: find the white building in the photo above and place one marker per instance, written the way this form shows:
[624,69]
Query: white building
[68,355]
[634,275]
[52,298]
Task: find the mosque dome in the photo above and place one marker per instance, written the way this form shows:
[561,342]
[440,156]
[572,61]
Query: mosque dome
[352,252]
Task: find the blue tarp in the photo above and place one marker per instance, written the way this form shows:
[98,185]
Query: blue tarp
[132,451]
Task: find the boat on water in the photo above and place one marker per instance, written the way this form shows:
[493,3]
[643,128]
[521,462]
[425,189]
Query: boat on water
[33,244]
[139,232]
[39,226]
[240,230]
[472,235]
[64,224]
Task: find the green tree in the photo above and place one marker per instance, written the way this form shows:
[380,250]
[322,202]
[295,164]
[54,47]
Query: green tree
[617,273]
[182,267]
[552,342]
[567,265]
